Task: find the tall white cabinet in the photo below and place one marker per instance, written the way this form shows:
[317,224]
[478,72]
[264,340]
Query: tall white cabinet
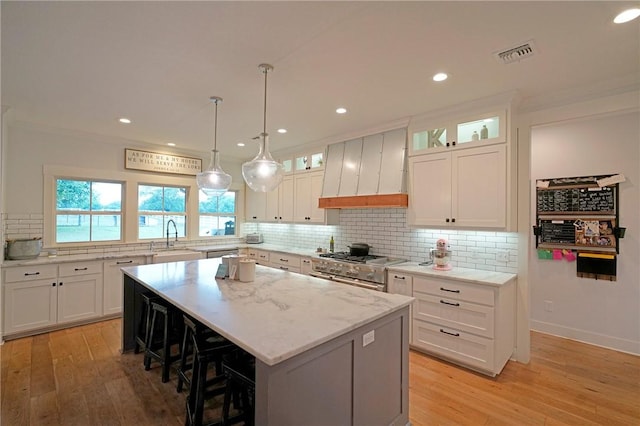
[459,170]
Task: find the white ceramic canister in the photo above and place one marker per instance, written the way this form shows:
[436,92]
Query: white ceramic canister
[234,264]
[246,270]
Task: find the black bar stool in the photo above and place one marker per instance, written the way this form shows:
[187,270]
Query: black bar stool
[240,374]
[144,325]
[163,335]
[209,338]
[205,353]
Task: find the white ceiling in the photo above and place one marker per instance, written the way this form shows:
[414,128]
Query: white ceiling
[82,65]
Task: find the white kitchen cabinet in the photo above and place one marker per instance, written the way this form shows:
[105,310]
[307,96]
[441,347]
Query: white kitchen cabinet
[260,256]
[305,265]
[309,161]
[39,297]
[285,261]
[308,188]
[469,324]
[429,134]
[280,202]
[255,206]
[112,295]
[399,283]
[463,188]
[30,298]
[80,291]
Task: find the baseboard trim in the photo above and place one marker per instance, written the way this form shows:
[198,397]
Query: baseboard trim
[608,342]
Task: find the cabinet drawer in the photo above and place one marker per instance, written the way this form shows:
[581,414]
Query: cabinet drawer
[399,283]
[456,345]
[458,314]
[84,268]
[289,260]
[30,273]
[287,268]
[450,289]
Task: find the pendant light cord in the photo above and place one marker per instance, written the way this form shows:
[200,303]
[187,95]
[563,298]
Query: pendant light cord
[264,128]
[215,100]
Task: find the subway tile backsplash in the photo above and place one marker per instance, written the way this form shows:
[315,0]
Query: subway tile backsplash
[385,230]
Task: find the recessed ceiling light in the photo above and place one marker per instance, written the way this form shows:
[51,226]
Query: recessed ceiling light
[125,120]
[240,144]
[171,144]
[627,15]
[440,77]
[341,110]
[282,130]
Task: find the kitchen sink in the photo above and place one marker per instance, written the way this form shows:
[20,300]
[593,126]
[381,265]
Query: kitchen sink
[176,256]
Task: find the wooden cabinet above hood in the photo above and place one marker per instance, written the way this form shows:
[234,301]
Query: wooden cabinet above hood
[366,172]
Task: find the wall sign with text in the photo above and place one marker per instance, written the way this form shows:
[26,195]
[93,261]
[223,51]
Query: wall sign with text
[161,162]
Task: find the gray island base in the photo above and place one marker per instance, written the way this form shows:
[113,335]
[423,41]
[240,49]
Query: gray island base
[326,353]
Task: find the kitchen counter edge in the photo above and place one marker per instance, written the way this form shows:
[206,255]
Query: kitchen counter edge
[476,276]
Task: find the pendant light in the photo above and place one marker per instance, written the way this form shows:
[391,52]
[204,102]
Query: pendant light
[214,181]
[263,173]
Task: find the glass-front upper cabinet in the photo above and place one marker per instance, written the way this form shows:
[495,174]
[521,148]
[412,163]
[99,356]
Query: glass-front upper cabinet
[313,160]
[479,129]
[287,164]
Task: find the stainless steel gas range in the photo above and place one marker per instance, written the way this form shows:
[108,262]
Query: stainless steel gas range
[361,271]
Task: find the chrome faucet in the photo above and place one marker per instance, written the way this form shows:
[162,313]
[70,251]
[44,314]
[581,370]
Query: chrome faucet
[175,228]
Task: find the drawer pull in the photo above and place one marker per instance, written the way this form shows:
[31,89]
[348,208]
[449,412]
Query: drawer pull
[284,260]
[450,291]
[449,303]
[450,334]
[398,278]
[80,269]
[122,263]
[26,274]
[284,268]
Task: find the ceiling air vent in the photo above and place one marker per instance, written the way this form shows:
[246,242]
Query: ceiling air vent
[516,53]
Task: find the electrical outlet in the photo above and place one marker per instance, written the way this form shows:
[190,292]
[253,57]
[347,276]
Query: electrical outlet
[368,338]
[548,306]
[502,256]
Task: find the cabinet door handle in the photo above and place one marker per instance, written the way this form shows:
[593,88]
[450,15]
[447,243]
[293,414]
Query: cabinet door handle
[449,303]
[398,278]
[53,284]
[447,144]
[450,334]
[453,219]
[450,291]
[453,143]
[26,274]
[122,263]
[80,269]
[447,220]
[60,284]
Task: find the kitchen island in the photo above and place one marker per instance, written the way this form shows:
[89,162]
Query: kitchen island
[326,353]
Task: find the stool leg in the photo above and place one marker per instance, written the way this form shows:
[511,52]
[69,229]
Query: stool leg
[147,356]
[200,390]
[226,404]
[166,351]
[184,354]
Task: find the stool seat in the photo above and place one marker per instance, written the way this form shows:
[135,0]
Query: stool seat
[163,335]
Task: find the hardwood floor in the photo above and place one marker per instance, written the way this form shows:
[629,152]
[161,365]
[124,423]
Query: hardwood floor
[78,377]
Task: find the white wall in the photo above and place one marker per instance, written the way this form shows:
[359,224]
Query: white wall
[30,147]
[595,311]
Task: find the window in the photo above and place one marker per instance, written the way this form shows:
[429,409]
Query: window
[88,210]
[157,205]
[217,214]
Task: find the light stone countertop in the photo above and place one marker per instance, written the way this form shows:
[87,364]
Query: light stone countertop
[279,315]
[476,276]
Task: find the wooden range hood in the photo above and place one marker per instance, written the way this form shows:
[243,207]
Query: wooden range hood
[364,201]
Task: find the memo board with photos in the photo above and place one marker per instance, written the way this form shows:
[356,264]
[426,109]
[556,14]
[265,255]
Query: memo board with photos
[578,213]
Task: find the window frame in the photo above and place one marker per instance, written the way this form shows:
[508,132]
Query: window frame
[130,179]
[90,213]
[218,215]
[163,213]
